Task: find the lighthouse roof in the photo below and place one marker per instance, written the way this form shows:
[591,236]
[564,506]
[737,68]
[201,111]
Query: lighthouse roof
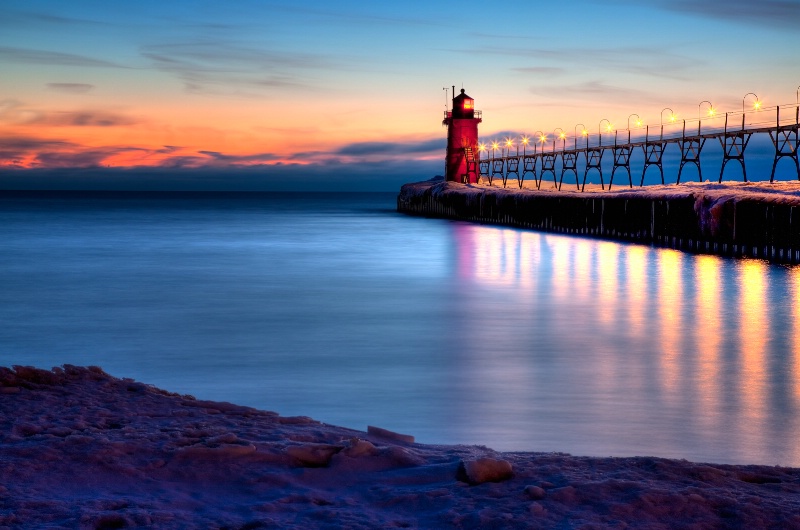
[463,106]
[461,96]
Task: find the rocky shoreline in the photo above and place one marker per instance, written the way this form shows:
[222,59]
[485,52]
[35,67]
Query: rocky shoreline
[80,448]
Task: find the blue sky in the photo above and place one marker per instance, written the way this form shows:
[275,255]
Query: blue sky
[258,87]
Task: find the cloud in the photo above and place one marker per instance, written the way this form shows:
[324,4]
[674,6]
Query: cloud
[234,160]
[168,149]
[540,70]
[18,143]
[183,161]
[82,158]
[359,17]
[207,65]
[776,14]
[53,153]
[593,90]
[71,88]
[16,151]
[391,148]
[640,60]
[17,19]
[12,111]
[86,118]
[15,112]
[44,57]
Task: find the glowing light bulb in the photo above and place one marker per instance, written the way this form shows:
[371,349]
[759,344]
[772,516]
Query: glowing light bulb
[525,140]
[711,111]
[482,147]
[757,105]
[673,118]
[543,138]
[562,135]
[584,132]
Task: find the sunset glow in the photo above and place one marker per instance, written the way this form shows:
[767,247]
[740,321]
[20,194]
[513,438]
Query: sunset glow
[97,85]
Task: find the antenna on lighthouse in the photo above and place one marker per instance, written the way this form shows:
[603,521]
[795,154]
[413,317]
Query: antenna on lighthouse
[445,97]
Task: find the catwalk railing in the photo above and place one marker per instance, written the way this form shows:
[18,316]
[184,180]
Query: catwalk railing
[733,130]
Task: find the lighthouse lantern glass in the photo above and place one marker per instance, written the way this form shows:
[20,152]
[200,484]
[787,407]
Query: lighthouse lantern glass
[469,104]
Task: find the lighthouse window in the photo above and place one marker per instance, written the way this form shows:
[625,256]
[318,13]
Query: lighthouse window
[468,104]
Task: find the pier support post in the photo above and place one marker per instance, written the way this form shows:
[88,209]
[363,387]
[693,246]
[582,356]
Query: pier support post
[622,159]
[528,166]
[512,166]
[733,146]
[786,142]
[569,162]
[594,157]
[691,147]
[653,154]
[549,166]
[483,168]
[498,167]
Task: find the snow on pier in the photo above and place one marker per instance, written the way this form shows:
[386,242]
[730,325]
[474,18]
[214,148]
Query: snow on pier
[760,220]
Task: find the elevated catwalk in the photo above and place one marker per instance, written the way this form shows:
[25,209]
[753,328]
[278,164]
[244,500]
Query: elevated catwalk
[540,157]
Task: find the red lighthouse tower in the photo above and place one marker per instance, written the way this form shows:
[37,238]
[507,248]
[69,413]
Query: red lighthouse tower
[461,164]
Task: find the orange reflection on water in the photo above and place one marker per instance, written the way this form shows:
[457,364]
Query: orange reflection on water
[794,275]
[560,249]
[794,356]
[582,258]
[607,254]
[529,259]
[670,263]
[636,272]
[708,333]
[754,334]
[489,254]
[496,256]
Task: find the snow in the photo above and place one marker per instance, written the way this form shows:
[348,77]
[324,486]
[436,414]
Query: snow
[80,448]
[775,192]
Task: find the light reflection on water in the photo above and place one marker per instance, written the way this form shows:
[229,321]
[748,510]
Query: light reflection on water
[655,347]
[340,309]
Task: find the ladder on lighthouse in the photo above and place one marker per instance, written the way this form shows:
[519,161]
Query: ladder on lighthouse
[472,164]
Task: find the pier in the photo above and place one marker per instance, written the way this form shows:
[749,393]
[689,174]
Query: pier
[542,156]
[733,219]
[739,219]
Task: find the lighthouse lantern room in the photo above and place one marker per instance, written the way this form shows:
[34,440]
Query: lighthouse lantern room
[461,163]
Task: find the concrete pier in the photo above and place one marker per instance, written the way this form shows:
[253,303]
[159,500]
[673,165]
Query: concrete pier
[758,220]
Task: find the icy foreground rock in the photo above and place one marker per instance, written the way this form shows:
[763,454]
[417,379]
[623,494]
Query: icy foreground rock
[82,449]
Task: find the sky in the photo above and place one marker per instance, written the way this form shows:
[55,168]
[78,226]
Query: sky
[349,95]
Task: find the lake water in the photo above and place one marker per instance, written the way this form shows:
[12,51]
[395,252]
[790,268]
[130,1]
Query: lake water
[336,307]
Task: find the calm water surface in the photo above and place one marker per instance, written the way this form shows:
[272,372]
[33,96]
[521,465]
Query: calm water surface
[336,307]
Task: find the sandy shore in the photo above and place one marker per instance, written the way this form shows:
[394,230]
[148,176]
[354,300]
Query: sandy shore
[82,449]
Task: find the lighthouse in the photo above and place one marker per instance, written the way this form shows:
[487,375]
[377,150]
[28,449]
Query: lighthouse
[461,162]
